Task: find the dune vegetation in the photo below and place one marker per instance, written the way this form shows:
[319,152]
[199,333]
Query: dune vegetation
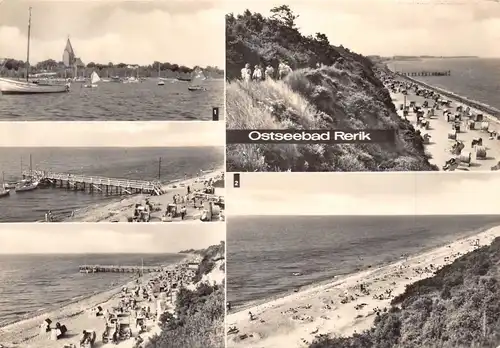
[330,88]
[198,321]
[459,307]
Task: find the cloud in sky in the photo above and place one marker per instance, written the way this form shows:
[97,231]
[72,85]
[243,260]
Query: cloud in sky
[112,134]
[184,32]
[397,27]
[364,194]
[107,238]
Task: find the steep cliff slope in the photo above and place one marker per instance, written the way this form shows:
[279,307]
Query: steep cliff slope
[329,88]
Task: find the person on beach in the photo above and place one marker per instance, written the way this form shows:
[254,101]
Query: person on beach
[183,212]
[246,73]
[269,72]
[283,70]
[257,73]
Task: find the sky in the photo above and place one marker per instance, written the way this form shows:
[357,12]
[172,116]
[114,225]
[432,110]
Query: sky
[398,193]
[397,27]
[185,32]
[108,238]
[112,134]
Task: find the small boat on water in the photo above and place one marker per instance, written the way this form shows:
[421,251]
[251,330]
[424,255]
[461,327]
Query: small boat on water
[115,79]
[8,86]
[94,78]
[3,191]
[131,79]
[197,81]
[185,79]
[160,80]
[27,186]
[10,185]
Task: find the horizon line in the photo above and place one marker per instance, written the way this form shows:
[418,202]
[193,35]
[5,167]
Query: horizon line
[367,215]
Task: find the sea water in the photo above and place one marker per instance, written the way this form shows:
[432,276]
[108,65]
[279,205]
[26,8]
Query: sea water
[119,163]
[473,78]
[31,284]
[265,251]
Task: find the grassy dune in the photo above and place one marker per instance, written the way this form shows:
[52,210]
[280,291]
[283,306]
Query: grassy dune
[343,92]
[457,308]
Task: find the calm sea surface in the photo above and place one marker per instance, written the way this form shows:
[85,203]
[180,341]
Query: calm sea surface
[476,79]
[127,163]
[264,252]
[144,101]
[25,280]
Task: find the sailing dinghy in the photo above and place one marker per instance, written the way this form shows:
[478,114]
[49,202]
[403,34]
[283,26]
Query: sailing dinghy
[197,81]
[8,86]
[94,78]
[3,191]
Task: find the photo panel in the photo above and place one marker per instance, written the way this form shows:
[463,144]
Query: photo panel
[111,60]
[363,260]
[364,85]
[124,172]
[107,285]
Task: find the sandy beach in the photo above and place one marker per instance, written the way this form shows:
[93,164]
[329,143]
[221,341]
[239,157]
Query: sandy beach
[78,316]
[123,209]
[346,304]
[440,145]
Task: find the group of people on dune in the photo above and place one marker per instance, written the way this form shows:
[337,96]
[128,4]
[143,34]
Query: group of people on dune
[260,74]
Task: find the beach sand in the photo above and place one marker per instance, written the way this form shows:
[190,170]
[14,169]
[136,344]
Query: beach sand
[345,305]
[440,145]
[121,210]
[76,316]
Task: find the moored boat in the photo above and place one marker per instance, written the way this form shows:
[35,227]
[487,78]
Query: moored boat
[27,186]
[8,86]
[197,81]
[94,78]
[4,193]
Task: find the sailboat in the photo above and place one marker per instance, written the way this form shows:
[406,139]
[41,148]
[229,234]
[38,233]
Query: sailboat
[94,78]
[197,81]
[8,86]
[3,191]
[160,81]
[27,185]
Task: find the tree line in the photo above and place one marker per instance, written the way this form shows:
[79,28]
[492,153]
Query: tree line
[50,65]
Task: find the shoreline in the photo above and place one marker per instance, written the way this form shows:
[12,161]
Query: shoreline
[490,111]
[440,133]
[75,307]
[103,211]
[340,276]
[319,303]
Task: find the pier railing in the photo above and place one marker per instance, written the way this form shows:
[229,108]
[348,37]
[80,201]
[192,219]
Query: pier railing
[118,269]
[153,186]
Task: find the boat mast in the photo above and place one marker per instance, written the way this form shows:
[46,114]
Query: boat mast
[31,168]
[159,170]
[28,50]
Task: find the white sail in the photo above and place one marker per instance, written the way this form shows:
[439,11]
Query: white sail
[94,78]
[197,78]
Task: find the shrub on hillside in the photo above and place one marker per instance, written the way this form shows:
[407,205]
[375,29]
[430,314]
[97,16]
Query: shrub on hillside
[198,323]
[459,307]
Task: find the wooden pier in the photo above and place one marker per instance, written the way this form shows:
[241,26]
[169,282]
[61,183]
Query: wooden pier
[425,73]
[93,184]
[118,269]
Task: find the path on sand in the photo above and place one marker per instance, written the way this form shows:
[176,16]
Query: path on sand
[440,146]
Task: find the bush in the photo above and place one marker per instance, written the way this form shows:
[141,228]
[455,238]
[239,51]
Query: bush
[459,307]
